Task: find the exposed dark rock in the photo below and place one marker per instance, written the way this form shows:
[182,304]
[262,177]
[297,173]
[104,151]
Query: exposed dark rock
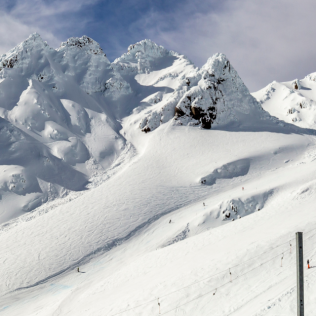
[178,112]
[146,129]
[9,63]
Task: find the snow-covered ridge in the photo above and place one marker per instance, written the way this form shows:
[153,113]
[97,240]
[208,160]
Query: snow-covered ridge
[70,102]
[293,101]
[85,43]
[143,49]
[33,43]
[215,94]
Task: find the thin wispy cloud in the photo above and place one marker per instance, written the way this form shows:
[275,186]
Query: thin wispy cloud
[53,20]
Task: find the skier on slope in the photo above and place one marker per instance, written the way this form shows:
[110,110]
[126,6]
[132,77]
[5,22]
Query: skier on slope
[308,266]
[78,269]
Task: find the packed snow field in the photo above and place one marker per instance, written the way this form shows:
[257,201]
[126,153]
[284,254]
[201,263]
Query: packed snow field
[142,173]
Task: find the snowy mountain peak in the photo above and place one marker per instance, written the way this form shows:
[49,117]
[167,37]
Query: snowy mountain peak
[218,97]
[213,95]
[84,43]
[218,65]
[33,43]
[220,68]
[145,49]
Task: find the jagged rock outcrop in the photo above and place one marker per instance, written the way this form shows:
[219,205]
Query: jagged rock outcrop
[296,84]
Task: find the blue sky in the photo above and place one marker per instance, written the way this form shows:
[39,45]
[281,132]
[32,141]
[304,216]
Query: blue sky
[265,40]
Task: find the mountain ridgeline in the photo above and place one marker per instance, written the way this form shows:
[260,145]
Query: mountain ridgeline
[61,110]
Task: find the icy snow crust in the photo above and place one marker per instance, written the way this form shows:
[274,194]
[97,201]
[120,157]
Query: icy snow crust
[146,215]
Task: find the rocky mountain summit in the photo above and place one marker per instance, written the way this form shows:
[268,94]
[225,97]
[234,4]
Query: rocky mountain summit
[212,95]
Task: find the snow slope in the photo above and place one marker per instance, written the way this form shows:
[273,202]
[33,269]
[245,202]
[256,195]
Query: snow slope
[166,212]
[293,101]
[129,252]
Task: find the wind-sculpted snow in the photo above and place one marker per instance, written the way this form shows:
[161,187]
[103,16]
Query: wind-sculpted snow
[116,86]
[228,171]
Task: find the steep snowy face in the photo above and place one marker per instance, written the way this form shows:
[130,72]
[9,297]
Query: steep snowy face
[145,76]
[54,101]
[213,95]
[293,101]
[84,58]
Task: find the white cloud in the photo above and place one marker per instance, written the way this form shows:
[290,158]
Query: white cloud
[27,17]
[265,40]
